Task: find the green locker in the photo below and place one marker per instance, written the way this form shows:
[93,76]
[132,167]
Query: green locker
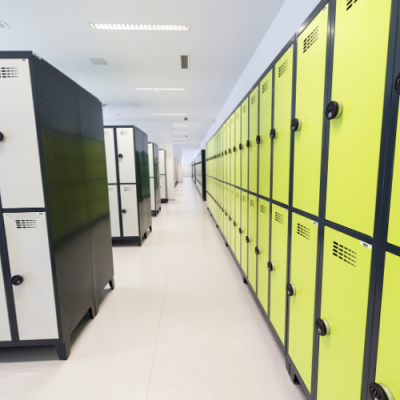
[222,211]
[227,156]
[356,111]
[301,292]
[278,268]
[237,224]
[282,129]
[232,149]
[243,232]
[263,253]
[252,242]
[238,168]
[394,220]
[226,208]
[245,138]
[308,124]
[253,147]
[265,141]
[344,306]
[388,370]
[232,219]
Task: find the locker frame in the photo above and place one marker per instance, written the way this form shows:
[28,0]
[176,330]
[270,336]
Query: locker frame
[165,200]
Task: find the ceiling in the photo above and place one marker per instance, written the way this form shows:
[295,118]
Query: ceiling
[222,37]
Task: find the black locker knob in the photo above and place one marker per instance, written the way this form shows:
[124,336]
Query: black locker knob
[226,152]
[234,148]
[296,125]
[120,155]
[240,146]
[226,213]
[230,151]
[291,289]
[257,250]
[223,210]
[322,327]
[230,218]
[16,280]
[271,266]
[273,134]
[240,230]
[333,110]
[123,211]
[234,223]
[258,139]
[247,239]
[379,392]
[248,143]
[397,84]
[2,137]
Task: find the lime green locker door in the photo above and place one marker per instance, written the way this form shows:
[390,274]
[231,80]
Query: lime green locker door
[238,166]
[388,369]
[302,296]
[245,138]
[308,124]
[355,133]
[278,267]
[237,224]
[263,253]
[344,306]
[265,128]
[244,232]
[253,149]
[252,242]
[232,219]
[226,206]
[232,152]
[282,120]
[227,146]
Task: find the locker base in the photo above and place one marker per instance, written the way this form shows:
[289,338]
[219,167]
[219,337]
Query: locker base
[112,283]
[64,350]
[164,200]
[295,377]
[244,280]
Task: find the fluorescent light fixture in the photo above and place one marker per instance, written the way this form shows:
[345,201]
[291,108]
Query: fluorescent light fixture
[139,27]
[162,89]
[169,115]
[178,125]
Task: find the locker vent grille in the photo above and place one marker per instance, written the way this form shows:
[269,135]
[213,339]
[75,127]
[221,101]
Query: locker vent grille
[9,72]
[252,203]
[26,223]
[278,217]
[128,189]
[244,108]
[253,99]
[345,254]
[265,87]
[264,209]
[283,68]
[310,39]
[350,4]
[303,231]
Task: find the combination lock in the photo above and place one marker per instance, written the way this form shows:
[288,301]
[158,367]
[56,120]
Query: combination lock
[16,280]
[230,218]
[2,137]
[230,151]
[123,211]
[248,143]
[257,251]
[247,239]
[291,289]
[273,134]
[296,125]
[120,155]
[234,223]
[240,230]
[322,327]
[258,139]
[240,146]
[379,392]
[226,152]
[234,148]
[397,85]
[333,110]
[271,266]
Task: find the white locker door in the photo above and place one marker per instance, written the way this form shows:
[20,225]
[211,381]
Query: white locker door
[151,160]
[152,195]
[130,221]
[20,179]
[110,155]
[161,161]
[5,334]
[114,210]
[163,186]
[28,250]
[125,143]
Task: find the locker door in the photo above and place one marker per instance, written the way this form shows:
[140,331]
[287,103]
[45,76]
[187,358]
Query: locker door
[150,150]
[28,250]
[302,276]
[161,161]
[265,128]
[130,223]
[279,237]
[310,91]
[282,119]
[388,371]
[5,334]
[232,152]
[114,210]
[19,152]
[356,134]
[163,186]
[238,141]
[110,155]
[237,221]
[245,138]
[232,216]
[263,257]
[344,305]
[126,149]
[243,227]
[224,149]
[228,149]
[252,240]
[253,147]
[153,196]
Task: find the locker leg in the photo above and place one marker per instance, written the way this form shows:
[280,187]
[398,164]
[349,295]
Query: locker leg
[145,235]
[226,244]
[64,350]
[140,241]
[150,228]
[216,225]
[112,283]
[244,280]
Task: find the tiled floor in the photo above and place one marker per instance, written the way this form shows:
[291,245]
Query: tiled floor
[181,325]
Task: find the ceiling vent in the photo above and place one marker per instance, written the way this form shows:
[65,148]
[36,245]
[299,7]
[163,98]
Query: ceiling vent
[184,62]
[98,61]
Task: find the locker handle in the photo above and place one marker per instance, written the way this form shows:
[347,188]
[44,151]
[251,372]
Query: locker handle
[230,151]
[124,211]
[240,146]
[379,391]
[234,223]
[271,266]
[226,152]
[226,213]
[247,239]
[333,110]
[257,250]
[397,84]
[120,155]
[273,134]
[230,218]
[322,327]
[240,230]
[291,290]
[296,125]
[234,148]
[258,139]
[2,137]
[248,143]
[16,280]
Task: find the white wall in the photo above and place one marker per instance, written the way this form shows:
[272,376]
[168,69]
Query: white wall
[178,156]
[289,19]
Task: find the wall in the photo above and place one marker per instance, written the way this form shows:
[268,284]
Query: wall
[289,19]
[178,156]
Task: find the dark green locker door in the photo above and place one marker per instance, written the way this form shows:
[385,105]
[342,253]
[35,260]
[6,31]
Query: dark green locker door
[310,91]
[237,224]
[355,135]
[252,241]
[253,147]
[282,120]
[265,128]
[238,166]
[302,303]
[388,368]
[279,237]
[244,231]
[263,256]
[344,305]
[245,138]
[231,151]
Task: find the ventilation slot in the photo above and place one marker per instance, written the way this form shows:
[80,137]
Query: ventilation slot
[310,39]
[265,87]
[252,204]
[26,223]
[244,108]
[9,72]
[264,209]
[303,231]
[278,217]
[350,4]
[253,99]
[184,62]
[345,254]
[283,68]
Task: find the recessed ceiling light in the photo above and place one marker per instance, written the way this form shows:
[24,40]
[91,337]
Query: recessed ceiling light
[3,25]
[178,125]
[169,115]
[162,89]
[98,61]
[140,27]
